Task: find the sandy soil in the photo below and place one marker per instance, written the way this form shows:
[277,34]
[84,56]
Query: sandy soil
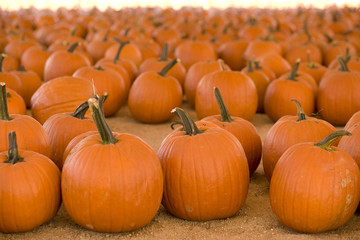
[255,220]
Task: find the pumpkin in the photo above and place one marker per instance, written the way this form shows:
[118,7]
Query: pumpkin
[288,131]
[289,86]
[129,51]
[192,51]
[196,157]
[30,82]
[11,80]
[315,186]
[31,134]
[124,164]
[242,129]
[29,189]
[34,58]
[156,64]
[153,95]
[260,47]
[63,127]
[97,48]
[15,103]
[232,53]
[62,94]
[64,63]
[261,81]
[194,75]
[106,81]
[337,96]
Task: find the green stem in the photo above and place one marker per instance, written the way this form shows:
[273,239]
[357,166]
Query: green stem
[168,67]
[13,152]
[257,65]
[293,72]
[122,45]
[164,53]
[250,66]
[104,130]
[300,111]
[4,113]
[188,124]
[72,47]
[22,68]
[81,110]
[100,68]
[343,65]
[224,112]
[2,56]
[221,64]
[329,140]
[106,35]
[310,64]
[73,31]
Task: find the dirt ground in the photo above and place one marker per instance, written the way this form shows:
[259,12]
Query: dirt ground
[254,221]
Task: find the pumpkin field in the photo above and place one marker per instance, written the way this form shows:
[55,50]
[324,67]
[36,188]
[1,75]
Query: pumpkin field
[189,123]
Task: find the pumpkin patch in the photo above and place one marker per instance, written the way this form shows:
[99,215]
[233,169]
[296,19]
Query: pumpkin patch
[168,156]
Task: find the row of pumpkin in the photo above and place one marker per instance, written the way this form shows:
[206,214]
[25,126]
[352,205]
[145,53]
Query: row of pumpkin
[115,182]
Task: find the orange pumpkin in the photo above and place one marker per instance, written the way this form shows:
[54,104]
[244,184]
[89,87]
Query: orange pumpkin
[125,164]
[153,95]
[62,94]
[300,195]
[63,127]
[64,63]
[288,131]
[196,157]
[29,190]
[242,129]
[34,59]
[31,133]
[239,92]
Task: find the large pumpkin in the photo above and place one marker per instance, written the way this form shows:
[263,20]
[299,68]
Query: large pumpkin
[206,174]
[111,182]
[29,189]
[315,187]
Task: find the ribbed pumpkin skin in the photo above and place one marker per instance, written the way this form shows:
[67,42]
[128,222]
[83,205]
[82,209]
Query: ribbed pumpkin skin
[30,134]
[206,176]
[239,91]
[338,96]
[112,188]
[59,95]
[279,93]
[248,136]
[62,128]
[288,131]
[313,190]
[152,97]
[29,192]
[353,120]
[350,144]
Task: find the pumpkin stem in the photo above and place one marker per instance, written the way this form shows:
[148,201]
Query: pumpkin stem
[103,128]
[188,124]
[13,152]
[122,45]
[293,72]
[72,47]
[221,64]
[164,53]
[343,65]
[250,66]
[168,67]
[22,68]
[257,65]
[226,28]
[100,68]
[4,113]
[106,37]
[310,64]
[2,56]
[328,38]
[80,110]
[329,140]
[224,112]
[300,111]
